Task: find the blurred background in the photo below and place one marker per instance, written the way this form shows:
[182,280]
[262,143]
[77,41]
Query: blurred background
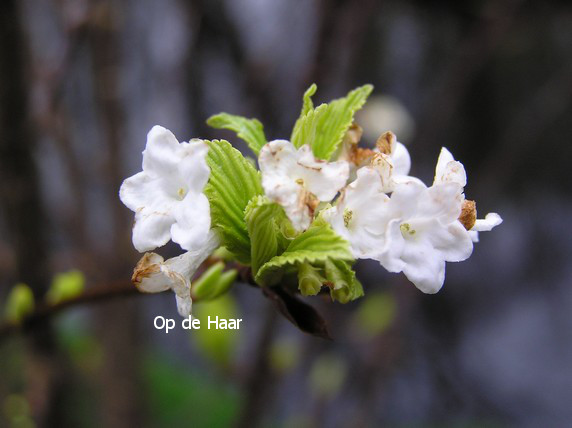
[82,82]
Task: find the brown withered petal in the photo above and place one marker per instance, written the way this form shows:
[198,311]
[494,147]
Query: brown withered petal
[385,142]
[148,265]
[468,214]
[360,156]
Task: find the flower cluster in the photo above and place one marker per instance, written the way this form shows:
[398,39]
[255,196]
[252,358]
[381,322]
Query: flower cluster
[318,203]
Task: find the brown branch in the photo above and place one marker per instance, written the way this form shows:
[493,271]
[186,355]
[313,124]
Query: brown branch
[45,311]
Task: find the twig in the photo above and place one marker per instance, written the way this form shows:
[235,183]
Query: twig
[45,311]
[260,374]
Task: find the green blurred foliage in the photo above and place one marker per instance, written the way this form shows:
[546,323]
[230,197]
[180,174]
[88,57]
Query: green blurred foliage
[65,286]
[216,344]
[16,410]
[20,303]
[81,346]
[375,314]
[13,384]
[284,355]
[327,375]
[180,398]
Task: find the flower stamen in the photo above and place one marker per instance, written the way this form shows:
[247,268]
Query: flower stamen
[407,230]
[348,214]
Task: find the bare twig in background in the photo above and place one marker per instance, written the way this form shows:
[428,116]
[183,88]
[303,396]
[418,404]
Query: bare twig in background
[21,202]
[259,376]
[453,83]
[44,312]
[545,105]
[122,401]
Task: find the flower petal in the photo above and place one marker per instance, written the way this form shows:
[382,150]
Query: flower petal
[292,177]
[323,179]
[441,201]
[358,213]
[401,160]
[147,275]
[192,221]
[141,191]
[192,166]
[485,225]
[453,242]
[160,154]
[389,256]
[151,230]
[448,170]
[423,267]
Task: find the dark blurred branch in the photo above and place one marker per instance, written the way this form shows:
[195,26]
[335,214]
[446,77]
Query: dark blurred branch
[259,376]
[524,130]
[25,219]
[218,33]
[455,80]
[53,118]
[342,31]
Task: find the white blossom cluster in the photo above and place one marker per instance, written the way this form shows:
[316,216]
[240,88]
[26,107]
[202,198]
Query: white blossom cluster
[385,214]
[367,196]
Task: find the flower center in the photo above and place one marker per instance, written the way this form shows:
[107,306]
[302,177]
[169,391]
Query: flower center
[300,181]
[181,193]
[348,214]
[406,230]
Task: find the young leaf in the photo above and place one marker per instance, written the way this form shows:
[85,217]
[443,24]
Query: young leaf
[261,221]
[65,286]
[20,303]
[232,184]
[213,282]
[324,127]
[345,286]
[249,130]
[316,245]
[310,280]
[307,106]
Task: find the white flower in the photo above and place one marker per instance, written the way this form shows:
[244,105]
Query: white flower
[391,161]
[415,231]
[449,170]
[167,195]
[298,181]
[423,233]
[154,275]
[358,212]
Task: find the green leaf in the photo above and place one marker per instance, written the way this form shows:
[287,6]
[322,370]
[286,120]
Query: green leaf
[213,282]
[65,286]
[261,221]
[249,130]
[202,286]
[344,285]
[307,106]
[310,280]
[232,184]
[324,127]
[316,245]
[20,303]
